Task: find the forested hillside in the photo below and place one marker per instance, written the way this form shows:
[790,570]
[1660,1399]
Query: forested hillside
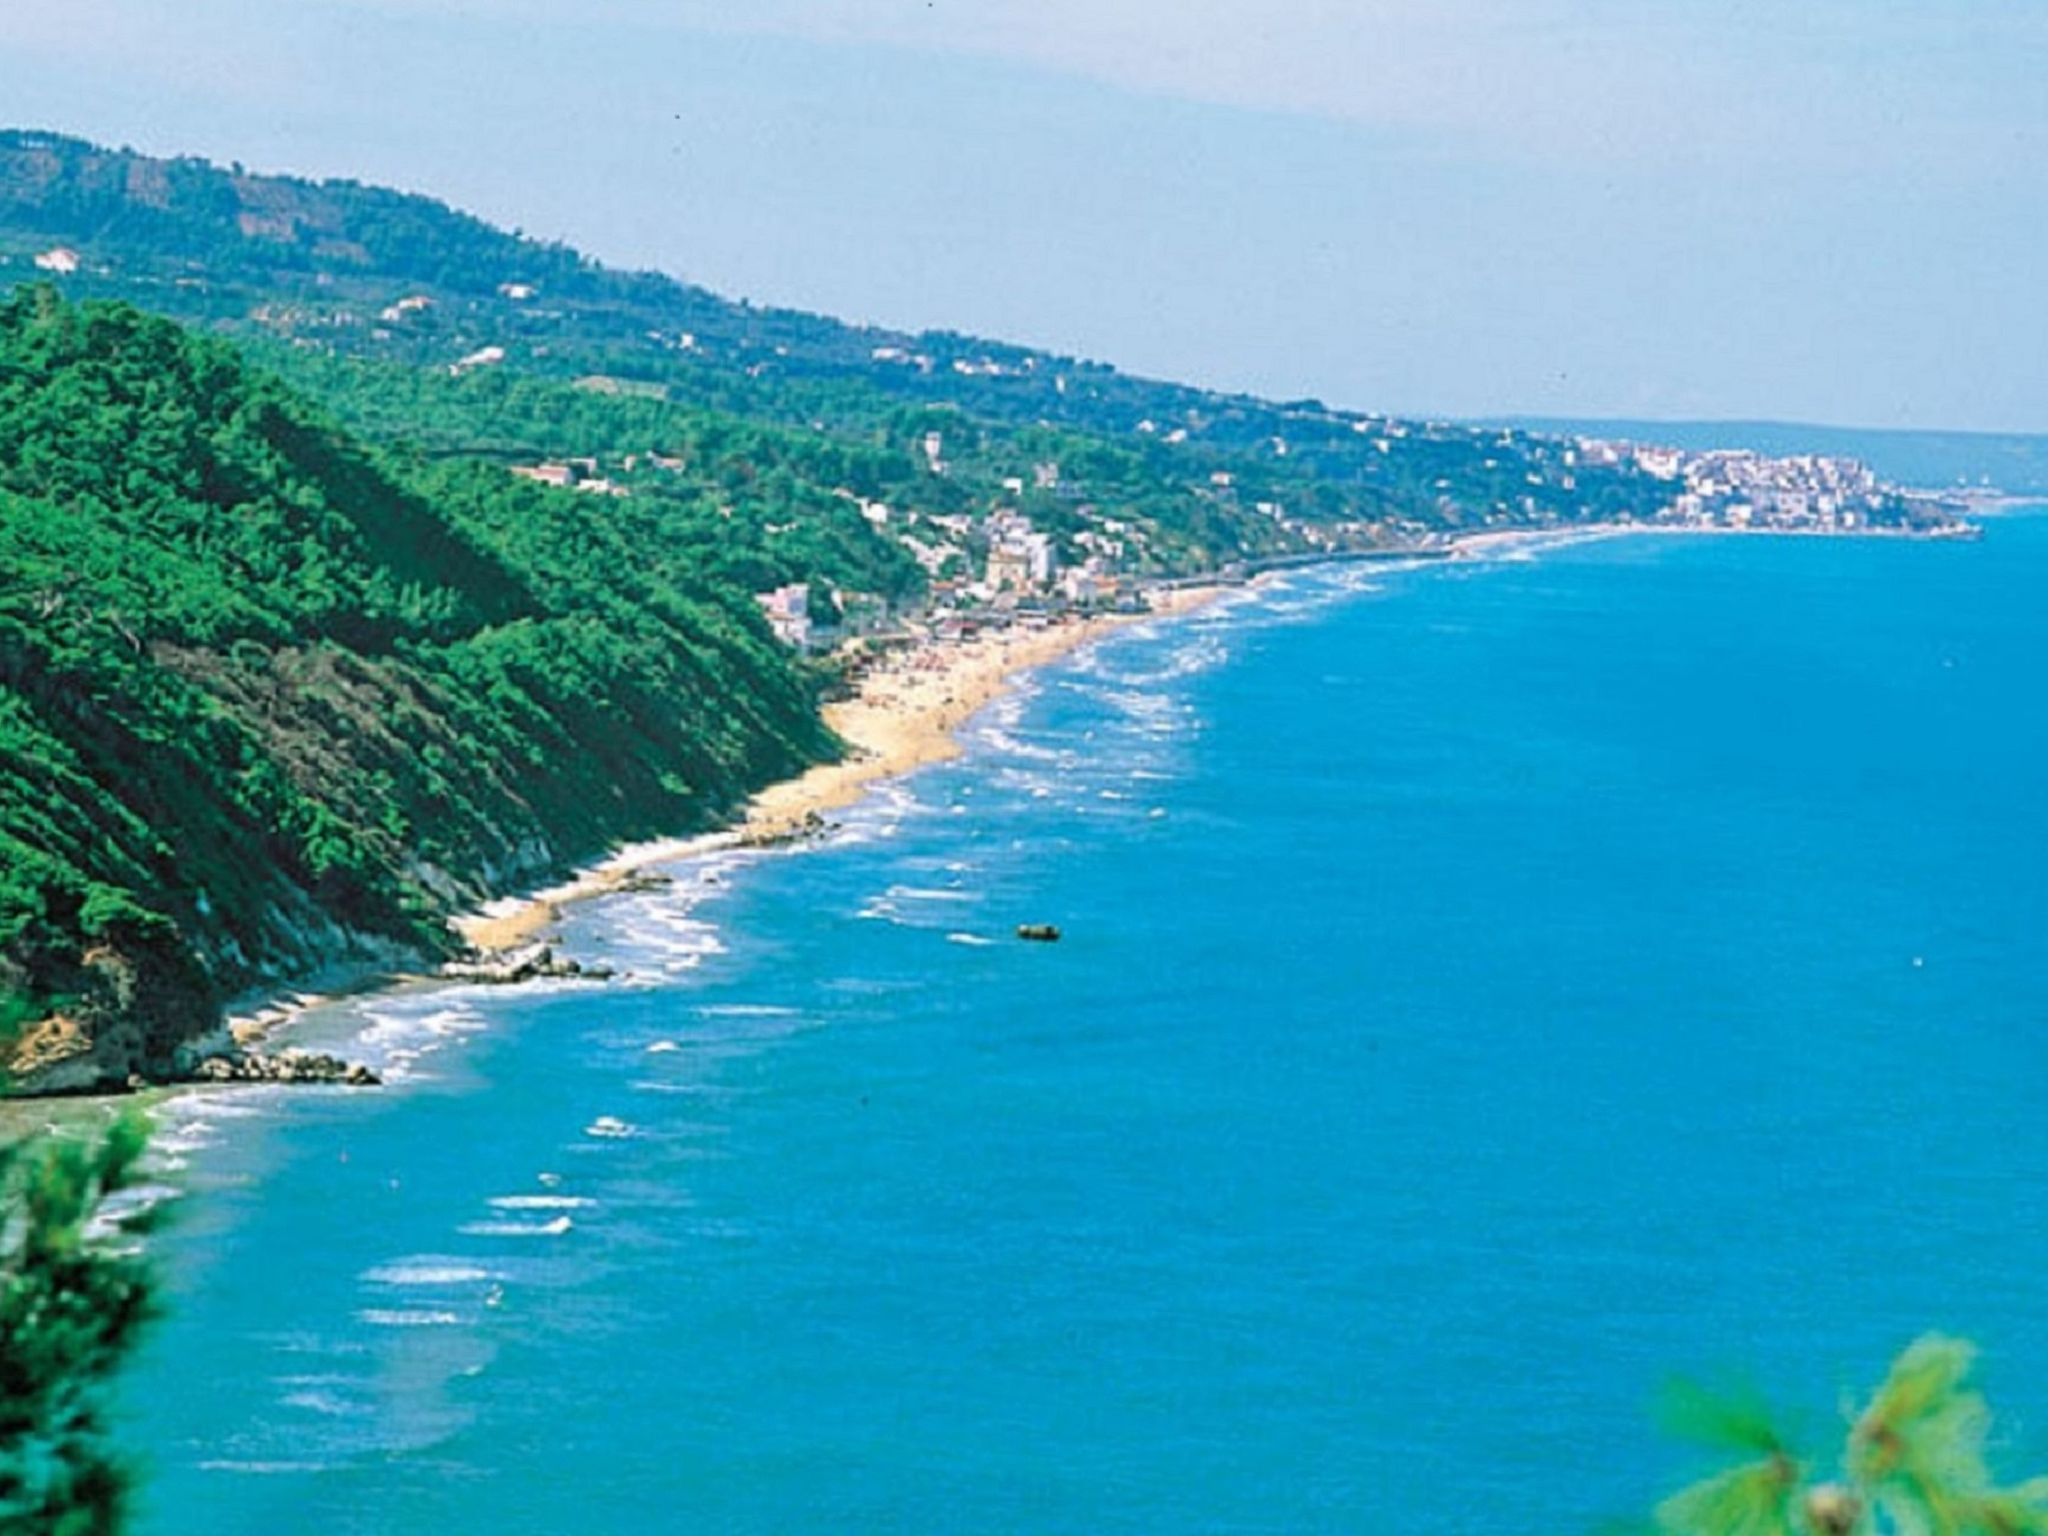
[270,698]
[367,272]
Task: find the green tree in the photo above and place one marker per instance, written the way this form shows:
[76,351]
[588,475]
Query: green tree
[1912,1465]
[73,1297]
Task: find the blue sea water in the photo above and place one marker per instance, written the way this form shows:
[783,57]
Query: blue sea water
[1486,991]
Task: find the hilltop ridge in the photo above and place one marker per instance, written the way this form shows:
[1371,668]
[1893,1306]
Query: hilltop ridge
[328,264]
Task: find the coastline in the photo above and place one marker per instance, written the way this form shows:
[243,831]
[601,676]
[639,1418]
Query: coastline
[905,713]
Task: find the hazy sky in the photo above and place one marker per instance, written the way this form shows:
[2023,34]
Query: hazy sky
[1830,210]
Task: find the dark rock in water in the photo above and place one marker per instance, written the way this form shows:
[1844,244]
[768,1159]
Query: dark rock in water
[285,1067]
[645,880]
[1042,933]
[812,827]
[515,966]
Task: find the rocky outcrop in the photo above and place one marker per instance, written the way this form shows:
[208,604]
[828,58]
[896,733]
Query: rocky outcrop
[810,828]
[129,1010]
[284,1067]
[54,1055]
[59,1056]
[535,962]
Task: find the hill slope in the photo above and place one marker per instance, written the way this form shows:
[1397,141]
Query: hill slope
[368,272]
[269,698]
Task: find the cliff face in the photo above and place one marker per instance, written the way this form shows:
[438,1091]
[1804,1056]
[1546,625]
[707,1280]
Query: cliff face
[271,701]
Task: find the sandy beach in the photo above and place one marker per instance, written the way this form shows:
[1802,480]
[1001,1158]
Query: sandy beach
[905,712]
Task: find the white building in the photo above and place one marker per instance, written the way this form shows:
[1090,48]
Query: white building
[483,357]
[789,613]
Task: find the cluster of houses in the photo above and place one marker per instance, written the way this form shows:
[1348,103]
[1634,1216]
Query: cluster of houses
[405,309]
[572,475]
[983,367]
[1740,488]
[789,613]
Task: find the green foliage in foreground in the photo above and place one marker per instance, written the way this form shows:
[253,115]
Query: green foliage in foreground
[1913,1464]
[73,1297]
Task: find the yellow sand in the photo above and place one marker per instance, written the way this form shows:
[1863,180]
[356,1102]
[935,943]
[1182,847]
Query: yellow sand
[903,714]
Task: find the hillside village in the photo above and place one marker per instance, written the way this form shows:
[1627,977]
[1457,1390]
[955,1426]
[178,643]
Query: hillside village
[1739,488]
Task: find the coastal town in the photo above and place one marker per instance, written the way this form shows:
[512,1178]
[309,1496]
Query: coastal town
[1001,570]
[1001,567]
[1738,488]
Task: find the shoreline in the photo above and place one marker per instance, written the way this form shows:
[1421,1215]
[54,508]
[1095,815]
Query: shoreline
[905,713]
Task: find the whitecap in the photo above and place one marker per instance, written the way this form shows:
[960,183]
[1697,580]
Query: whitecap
[969,938]
[324,1403]
[540,1202]
[555,1228]
[406,1317]
[425,1272]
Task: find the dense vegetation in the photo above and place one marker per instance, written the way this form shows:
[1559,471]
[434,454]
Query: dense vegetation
[763,502]
[73,1297]
[325,263]
[268,696]
[1913,1464]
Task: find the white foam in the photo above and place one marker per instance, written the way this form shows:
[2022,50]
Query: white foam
[974,939]
[406,1317]
[610,1127]
[1002,741]
[425,1272]
[540,1202]
[324,1403]
[555,1228]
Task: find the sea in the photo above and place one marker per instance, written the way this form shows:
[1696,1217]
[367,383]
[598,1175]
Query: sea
[1488,993]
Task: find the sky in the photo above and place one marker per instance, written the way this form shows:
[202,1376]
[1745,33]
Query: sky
[1819,210]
